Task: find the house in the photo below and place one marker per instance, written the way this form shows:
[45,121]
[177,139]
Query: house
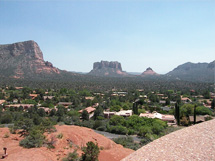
[18,88]
[169,118]
[172,102]
[124,113]
[33,96]
[90,111]
[185,99]
[162,102]
[151,115]
[15,100]
[89,98]
[166,108]
[2,101]
[66,104]
[123,94]
[160,95]
[48,110]
[48,97]
[25,106]
[108,114]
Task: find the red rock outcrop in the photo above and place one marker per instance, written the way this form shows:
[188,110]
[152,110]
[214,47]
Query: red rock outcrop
[23,59]
[105,68]
[149,71]
[74,137]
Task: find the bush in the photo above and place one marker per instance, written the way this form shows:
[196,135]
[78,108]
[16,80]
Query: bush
[91,152]
[60,136]
[6,135]
[127,142]
[201,110]
[144,130]
[118,129]
[72,156]
[35,139]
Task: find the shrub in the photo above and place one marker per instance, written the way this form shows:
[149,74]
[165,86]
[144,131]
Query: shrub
[118,129]
[6,135]
[91,152]
[60,136]
[127,142]
[35,139]
[72,156]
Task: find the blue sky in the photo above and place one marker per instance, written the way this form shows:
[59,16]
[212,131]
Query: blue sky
[72,34]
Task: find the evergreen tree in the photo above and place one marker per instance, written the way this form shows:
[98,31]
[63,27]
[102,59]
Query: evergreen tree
[135,108]
[91,152]
[213,104]
[194,115]
[177,113]
[85,115]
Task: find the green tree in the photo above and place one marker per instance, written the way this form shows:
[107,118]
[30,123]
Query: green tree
[72,156]
[135,108]
[213,104]
[35,139]
[177,113]
[98,112]
[85,115]
[115,108]
[91,152]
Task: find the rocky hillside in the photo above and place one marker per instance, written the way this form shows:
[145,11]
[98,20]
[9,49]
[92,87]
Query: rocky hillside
[149,72]
[24,59]
[194,72]
[74,137]
[105,68]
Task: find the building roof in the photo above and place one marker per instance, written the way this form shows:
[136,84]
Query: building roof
[190,143]
[65,103]
[89,98]
[2,101]
[124,113]
[88,109]
[18,105]
[151,115]
[168,117]
[33,95]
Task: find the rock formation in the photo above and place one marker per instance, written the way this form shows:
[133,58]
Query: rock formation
[148,72]
[194,72]
[24,59]
[72,135]
[105,68]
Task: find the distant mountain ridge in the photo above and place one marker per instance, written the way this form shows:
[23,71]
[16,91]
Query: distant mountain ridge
[105,68]
[24,60]
[194,72]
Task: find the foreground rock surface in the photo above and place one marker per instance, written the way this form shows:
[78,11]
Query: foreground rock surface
[77,136]
[191,143]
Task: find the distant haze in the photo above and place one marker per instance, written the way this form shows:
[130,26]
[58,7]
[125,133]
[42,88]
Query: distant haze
[138,34]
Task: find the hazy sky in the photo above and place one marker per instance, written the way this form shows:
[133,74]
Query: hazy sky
[73,34]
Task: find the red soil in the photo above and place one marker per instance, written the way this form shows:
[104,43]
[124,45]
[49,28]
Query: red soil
[78,136]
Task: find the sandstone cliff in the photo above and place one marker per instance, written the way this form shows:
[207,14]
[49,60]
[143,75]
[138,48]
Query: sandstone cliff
[24,59]
[105,68]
